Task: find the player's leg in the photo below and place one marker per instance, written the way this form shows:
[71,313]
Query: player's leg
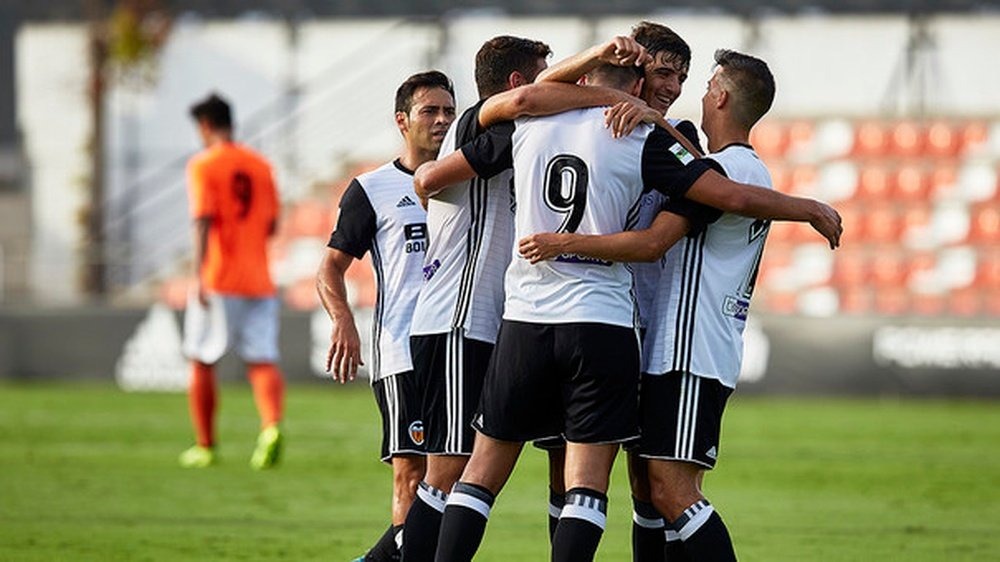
[678,496]
[584,515]
[206,339]
[599,370]
[515,407]
[256,336]
[398,401]
[471,499]
[648,526]
[556,450]
[680,441]
[452,369]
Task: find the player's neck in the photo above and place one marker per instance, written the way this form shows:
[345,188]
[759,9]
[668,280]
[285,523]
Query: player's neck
[724,136]
[218,138]
[413,158]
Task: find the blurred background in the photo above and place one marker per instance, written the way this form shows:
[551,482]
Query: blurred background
[887,109]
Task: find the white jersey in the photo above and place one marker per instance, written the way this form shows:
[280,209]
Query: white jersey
[705,288]
[380,213]
[471,230]
[647,274]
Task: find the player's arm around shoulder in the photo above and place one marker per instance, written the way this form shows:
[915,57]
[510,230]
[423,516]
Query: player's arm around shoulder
[646,245]
[621,51]
[546,98]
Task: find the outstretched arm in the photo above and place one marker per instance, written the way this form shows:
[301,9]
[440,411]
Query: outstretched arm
[620,51]
[715,190]
[631,246]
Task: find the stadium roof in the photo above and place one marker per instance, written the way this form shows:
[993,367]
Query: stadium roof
[75,9]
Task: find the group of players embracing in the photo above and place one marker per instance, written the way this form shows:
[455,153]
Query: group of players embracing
[580,279]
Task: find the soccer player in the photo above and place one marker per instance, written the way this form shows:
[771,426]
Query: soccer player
[234,205]
[380,213]
[694,345]
[666,64]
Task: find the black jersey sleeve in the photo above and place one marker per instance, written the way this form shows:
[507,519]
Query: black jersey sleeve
[668,167]
[690,132]
[492,151]
[699,215]
[356,223]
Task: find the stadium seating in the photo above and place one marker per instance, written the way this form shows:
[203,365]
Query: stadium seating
[920,201]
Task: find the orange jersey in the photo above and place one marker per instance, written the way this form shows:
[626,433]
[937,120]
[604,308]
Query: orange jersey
[232,186]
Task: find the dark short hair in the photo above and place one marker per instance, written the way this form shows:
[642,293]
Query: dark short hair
[504,54]
[215,111]
[614,76]
[752,85]
[658,38]
[429,79]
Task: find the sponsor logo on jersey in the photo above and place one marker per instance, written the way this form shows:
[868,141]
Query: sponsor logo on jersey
[681,153]
[405,202]
[416,237]
[736,307]
[712,453]
[431,268]
[416,431]
[574,258]
[757,229]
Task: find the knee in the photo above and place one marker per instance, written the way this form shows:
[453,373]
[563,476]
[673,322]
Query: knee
[672,499]
[408,477]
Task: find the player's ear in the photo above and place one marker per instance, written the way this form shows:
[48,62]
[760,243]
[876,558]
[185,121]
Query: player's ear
[402,122]
[723,98]
[516,79]
[637,87]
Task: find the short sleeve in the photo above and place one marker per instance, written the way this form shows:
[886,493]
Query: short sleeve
[200,200]
[668,167]
[356,223]
[690,132]
[491,152]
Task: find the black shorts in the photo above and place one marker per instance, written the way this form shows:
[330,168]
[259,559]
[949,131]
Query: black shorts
[580,380]
[398,398]
[451,368]
[681,417]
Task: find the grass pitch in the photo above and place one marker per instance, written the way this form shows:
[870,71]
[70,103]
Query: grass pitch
[88,473]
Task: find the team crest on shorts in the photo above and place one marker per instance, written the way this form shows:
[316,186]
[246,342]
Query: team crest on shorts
[416,431]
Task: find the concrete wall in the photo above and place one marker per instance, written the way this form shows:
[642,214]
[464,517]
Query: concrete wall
[784,355]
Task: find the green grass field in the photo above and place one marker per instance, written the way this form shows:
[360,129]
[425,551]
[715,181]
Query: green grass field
[89,473]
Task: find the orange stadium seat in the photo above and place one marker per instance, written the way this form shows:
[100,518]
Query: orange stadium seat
[856,300]
[874,182]
[974,136]
[301,294]
[803,180]
[888,268]
[943,140]
[769,138]
[780,302]
[942,181]
[851,268]
[309,218]
[883,224]
[871,139]
[892,301]
[985,224]
[907,139]
[911,183]
[781,178]
[988,270]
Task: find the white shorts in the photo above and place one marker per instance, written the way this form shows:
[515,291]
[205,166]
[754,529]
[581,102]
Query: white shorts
[250,325]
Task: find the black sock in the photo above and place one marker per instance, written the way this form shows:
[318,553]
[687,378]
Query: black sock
[556,502]
[705,536]
[673,549]
[580,526]
[385,550]
[463,523]
[648,527]
[423,522]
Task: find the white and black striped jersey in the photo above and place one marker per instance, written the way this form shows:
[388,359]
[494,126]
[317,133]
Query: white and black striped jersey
[647,274]
[380,213]
[570,175]
[471,228]
[705,288]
